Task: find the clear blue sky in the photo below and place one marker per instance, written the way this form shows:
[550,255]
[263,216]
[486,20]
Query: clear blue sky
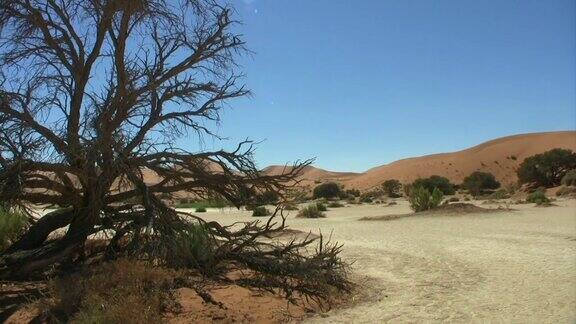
[361,83]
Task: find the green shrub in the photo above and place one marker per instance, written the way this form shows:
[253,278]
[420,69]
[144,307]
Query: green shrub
[200,210]
[260,211]
[538,197]
[548,168]
[421,199]
[499,194]
[478,181]
[441,183]
[327,190]
[392,188]
[266,198]
[12,225]
[193,247]
[335,204]
[321,206]
[310,211]
[569,179]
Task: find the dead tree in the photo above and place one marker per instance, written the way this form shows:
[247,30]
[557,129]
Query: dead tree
[93,95]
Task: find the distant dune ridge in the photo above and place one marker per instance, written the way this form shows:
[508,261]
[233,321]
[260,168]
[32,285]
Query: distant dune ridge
[500,157]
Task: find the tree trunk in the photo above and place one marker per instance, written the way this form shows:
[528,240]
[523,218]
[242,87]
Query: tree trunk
[36,255]
[39,231]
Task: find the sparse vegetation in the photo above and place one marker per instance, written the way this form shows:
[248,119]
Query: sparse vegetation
[421,199]
[121,291]
[392,188]
[195,204]
[335,204]
[435,181]
[12,225]
[290,206]
[194,247]
[366,199]
[538,197]
[200,210]
[321,206]
[260,211]
[566,191]
[352,192]
[569,179]
[477,182]
[327,190]
[311,211]
[266,198]
[546,169]
[499,194]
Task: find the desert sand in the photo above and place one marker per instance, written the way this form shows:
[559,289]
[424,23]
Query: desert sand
[512,266]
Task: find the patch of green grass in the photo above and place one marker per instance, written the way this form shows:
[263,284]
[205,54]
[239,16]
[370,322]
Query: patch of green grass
[12,225]
[200,210]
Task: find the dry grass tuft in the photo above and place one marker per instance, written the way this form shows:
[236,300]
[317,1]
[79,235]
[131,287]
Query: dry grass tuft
[122,291]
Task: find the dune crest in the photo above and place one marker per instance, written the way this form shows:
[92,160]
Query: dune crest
[500,156]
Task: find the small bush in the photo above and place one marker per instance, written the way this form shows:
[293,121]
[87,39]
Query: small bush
[321,206]
[352,192]
[392,188]
[538,197]
[210,203]
[266,198]
[421,199]
[122,291]
[435,181]
[499,194]
[335,204]
[479,181]
[12,225]
[569,178]
[327,190]
[200,210]
[311,211]
[260,211]
[193,247]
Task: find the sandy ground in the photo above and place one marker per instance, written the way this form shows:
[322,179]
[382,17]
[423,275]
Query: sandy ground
[514,266]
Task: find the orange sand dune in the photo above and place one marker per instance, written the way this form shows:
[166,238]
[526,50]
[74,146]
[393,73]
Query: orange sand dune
[500,157]
[312,175]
